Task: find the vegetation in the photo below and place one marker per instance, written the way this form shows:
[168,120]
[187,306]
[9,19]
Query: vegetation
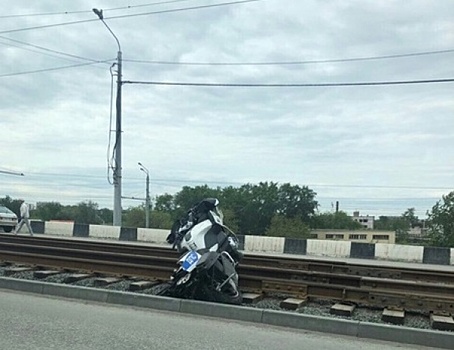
[440,223]
[265,208]
[401,225]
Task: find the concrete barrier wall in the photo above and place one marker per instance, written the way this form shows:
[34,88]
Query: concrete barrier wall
[152,235]
[398,252]
[336,249]
[59,228]
[262,244]
[100,231]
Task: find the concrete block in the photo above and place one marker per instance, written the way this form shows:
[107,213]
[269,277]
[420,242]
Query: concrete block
[145,301]
[81,230]
[443,323]
[104,281]
[362,250]
[264,244]
[74,292]
[295,246]
[252,298]
[152,235]
[103,231]
[45,273]
[452,256]
[128,234]
[309,322]
[22,285]
[335,249]
[77,277]
[38,226]
[342,309]
[407,335]
[12,270]
[141,285]
[436,255]
[221,310]
[398,252]
[59,228]
[293,303]
[393,316]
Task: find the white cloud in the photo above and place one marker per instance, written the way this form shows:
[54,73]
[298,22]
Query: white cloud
[377,149]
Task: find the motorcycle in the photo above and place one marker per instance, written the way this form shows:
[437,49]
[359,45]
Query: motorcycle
[207,268]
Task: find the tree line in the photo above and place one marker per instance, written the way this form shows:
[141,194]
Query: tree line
[266,208]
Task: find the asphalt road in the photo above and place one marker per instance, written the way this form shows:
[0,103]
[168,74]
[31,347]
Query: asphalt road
[41,323]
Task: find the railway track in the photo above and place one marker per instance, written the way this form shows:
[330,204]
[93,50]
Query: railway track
[406,289]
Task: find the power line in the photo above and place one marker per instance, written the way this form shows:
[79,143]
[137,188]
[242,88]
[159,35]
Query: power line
[89,11]
[165,181]
[285,85]
[51,69]
[338,60]
[127,16]
[47,50]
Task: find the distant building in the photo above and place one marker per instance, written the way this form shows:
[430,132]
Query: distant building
[363,236]
[366,221]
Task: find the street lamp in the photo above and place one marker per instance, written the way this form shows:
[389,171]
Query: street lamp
[11,172]
[147,195]
[117,147]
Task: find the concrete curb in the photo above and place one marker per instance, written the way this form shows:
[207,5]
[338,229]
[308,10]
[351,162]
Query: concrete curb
[358,329]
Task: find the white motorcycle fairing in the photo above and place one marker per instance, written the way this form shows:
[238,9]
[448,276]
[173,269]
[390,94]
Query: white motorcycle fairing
[195,239]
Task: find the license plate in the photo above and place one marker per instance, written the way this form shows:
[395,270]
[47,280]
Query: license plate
[190,261]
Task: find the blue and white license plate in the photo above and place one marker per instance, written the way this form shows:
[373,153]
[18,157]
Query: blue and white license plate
[190,261]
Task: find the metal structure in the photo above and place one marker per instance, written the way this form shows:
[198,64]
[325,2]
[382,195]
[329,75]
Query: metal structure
[420,289]
[117,146]
[147,195]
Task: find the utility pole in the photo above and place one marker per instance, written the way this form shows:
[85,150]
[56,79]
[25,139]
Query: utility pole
[117,146]
[147,195]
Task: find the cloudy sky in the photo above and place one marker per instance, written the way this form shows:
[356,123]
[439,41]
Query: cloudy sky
[379,149]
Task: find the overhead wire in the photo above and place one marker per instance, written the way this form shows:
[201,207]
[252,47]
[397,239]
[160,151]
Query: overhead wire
[47,50]
[291,85]
[89,11]
[128,16]
[111,160]
[52,69]
[337,60]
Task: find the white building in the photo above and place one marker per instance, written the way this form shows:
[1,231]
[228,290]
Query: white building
[366,221]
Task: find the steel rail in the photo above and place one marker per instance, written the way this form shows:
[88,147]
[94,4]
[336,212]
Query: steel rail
[372,291]
[370,269]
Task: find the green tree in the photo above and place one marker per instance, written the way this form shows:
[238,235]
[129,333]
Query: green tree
[440,222]
[12,204]
[258,204]
[134,217]
[162,220]
[282,226]
[165,203]
[338,220]
[297,202]
[190,196]
[401,225]
[230,219]
[106,216]
[86,213]
[50,211]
